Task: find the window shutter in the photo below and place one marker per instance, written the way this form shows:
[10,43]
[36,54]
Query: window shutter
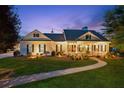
[44,48]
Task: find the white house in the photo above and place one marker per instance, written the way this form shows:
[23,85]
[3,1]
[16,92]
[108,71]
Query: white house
[71,41]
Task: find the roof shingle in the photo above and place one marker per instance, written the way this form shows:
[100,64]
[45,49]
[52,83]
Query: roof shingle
[55,36]
[73,34]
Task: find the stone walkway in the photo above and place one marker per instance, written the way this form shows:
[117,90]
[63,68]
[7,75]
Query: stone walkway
[41,76]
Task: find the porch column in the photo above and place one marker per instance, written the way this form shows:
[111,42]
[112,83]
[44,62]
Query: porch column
[76,48]
[103,48]
[107,46]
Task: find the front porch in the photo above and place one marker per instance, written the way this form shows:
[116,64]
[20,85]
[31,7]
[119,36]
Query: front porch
[87,48]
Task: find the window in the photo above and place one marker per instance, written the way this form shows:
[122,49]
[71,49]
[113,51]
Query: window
[101,48]
[72,48]
[42,48]
[36,35]
[79,48]
[94,47]
[32,47]
[68,47]
[56,48]
[60,47]
[98,47]
[88,48]
[88,37]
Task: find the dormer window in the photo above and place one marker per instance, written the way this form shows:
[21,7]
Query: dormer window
[88,37]
[36,35]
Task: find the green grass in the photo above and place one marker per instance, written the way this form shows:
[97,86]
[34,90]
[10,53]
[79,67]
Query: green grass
[24,66]
[110,76]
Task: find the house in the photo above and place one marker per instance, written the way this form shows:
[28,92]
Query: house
[71,41]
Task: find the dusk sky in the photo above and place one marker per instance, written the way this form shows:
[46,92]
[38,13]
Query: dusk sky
[44,18]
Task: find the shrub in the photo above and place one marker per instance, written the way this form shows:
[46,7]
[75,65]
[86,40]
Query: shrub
[29,54]
[121,54]
[60,53]
[108,55]
[53,53]
[85,56]
[16,53]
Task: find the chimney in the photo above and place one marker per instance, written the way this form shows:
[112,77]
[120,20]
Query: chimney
[85,28]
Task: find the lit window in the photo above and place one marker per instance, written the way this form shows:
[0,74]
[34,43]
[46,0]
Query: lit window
[88,48]
[41,48]
[79,48]
[60,47]
[98,47]
[101,48]
[72,48]
[35,35]
[88,37]
[56,48]
[32,47]
[94,47]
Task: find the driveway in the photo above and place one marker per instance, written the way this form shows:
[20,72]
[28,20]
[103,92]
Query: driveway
[41,76]
[6,55]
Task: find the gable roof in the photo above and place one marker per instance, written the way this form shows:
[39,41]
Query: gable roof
[73,34]
[99,35]
[69,35]
[55,36]
[30,37]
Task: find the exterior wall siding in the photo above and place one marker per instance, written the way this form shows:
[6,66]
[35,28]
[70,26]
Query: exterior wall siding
[96,48]
[42,44]
[49,45]
[101,47]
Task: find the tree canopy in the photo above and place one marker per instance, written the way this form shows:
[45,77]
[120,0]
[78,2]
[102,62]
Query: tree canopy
[9,27]
[114,24]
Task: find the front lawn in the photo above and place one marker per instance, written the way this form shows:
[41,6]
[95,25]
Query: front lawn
[110,76]
[24,66]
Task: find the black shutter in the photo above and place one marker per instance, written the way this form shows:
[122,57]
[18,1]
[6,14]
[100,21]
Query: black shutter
[61,48]
[44,48]
[27,49]
[56,48]
[39,48]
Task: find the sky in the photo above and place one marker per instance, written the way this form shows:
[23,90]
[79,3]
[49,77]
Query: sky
[58,17]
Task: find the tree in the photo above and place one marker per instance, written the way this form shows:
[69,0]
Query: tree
[9,27]
[114,24]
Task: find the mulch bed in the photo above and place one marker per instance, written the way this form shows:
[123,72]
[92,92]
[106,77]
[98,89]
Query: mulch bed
[6,73]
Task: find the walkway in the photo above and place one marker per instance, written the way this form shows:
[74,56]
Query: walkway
[6,55]
[41,76]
